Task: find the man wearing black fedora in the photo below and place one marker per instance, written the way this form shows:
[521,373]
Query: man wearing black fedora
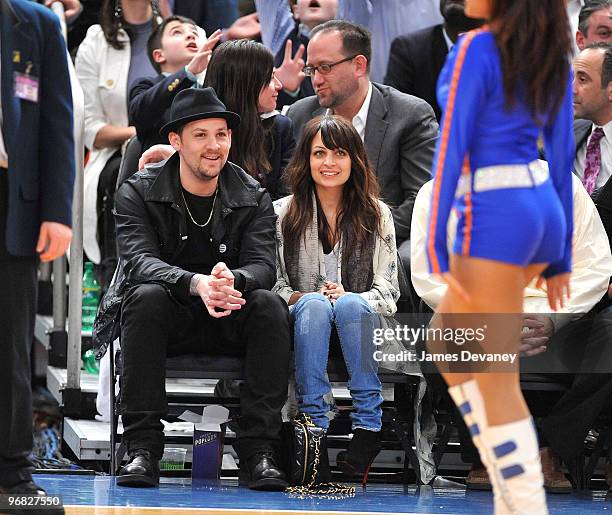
[197,261]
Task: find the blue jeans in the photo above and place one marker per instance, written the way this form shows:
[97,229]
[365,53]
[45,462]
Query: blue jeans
[313,318]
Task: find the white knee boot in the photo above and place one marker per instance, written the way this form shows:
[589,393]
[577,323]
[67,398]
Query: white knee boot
[510,453]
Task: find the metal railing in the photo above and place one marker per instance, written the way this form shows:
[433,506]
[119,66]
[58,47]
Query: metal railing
[72,333]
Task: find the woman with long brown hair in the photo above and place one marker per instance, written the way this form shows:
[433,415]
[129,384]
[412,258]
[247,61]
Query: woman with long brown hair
[242,74]
[337,267]
[504,87]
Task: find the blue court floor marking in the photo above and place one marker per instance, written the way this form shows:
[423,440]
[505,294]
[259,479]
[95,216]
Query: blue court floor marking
[148,510]
[176,493]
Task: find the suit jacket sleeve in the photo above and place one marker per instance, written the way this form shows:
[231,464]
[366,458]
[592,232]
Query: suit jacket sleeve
[56,129]
[417,147]
[400,70]
[149,99]
[299,114]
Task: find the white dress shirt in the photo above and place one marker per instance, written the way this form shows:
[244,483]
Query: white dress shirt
[592,260]
[606,156]
[361,118]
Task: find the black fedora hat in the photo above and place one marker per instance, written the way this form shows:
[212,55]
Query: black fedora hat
[197,104]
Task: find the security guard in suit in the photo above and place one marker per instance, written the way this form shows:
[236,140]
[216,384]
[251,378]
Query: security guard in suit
[36,187]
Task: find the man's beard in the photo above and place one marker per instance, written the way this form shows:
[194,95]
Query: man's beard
[203,174]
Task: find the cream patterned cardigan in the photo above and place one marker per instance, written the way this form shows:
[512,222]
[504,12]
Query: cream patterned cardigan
[384,292]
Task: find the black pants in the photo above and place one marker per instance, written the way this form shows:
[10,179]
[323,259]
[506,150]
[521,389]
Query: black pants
[154,324]
[107,231]
[17,312]
[584,349]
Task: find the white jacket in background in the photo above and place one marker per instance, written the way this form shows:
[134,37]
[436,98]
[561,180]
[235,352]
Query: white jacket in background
[102,72]
[591,259]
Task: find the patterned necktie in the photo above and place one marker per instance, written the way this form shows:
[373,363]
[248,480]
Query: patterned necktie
[593,160]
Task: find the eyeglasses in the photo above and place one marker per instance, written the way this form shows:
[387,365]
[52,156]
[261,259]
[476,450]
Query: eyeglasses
[326,68]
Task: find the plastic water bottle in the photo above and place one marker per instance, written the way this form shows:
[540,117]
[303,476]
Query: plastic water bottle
[91,297]
[89,362]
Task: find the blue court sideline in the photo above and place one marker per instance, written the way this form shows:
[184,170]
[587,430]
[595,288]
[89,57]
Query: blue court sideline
[179,493]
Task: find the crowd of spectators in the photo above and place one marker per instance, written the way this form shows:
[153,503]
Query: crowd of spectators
[374,64]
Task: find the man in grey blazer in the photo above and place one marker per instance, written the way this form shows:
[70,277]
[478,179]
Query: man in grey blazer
[399,130]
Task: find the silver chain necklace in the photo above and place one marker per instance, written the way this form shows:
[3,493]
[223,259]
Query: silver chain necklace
[211,210]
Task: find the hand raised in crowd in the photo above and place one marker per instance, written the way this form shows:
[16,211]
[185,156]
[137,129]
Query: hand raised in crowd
[245,27]
[333,291]
[200,61]
[72,8]
[155,154]
[537,331]
[217,291]
[53,240]
[290,71]
[558,289]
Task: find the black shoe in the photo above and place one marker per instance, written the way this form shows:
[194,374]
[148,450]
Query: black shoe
[142,469]
[357,460]
[260,472]
[30,489]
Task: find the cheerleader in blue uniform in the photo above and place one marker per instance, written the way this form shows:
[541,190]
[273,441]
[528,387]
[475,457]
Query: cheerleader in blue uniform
[504,87]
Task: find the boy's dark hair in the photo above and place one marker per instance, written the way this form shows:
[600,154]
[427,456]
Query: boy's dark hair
[155,39]
[356,40]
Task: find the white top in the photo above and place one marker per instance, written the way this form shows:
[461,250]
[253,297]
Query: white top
[592,260]
[102,72]
[361,118]
[449,41]
[331,264]
[3,154]
[606,155]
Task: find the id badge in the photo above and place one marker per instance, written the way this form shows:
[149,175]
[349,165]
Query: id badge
[26,87]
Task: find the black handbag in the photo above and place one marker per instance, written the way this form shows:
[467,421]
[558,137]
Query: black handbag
[306,460]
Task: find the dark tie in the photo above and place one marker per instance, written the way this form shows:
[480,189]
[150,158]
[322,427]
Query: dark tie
[592,166]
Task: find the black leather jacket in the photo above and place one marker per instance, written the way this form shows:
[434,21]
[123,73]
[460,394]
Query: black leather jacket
[152,223]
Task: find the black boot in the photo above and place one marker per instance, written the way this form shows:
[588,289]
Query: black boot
[29,489]
[142,469]
[356,461]
[261,472]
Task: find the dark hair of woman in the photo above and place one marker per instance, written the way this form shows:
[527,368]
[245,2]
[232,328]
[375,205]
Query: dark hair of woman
[537,66]
[238,70]
[359,216]
[111,21]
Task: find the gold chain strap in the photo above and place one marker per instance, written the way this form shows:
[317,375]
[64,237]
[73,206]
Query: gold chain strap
[320,490]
